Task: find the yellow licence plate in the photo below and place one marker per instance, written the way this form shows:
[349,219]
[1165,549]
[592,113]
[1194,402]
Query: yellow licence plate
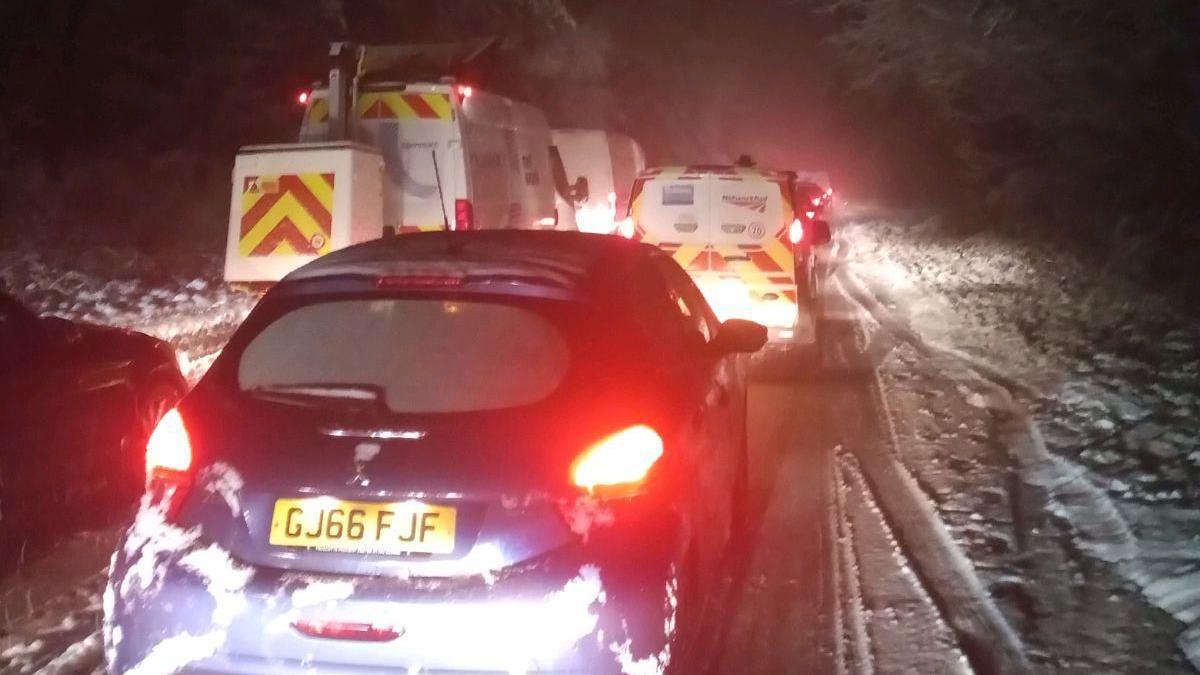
[328,524]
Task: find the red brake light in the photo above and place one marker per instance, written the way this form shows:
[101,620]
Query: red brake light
[465,91]
[169,462]
[464,215]
[796,231]
[302,97]
[169,448]
[419,281]
[625,228]
[345,630]
[623,458]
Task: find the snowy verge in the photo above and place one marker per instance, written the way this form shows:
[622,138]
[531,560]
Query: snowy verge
[1106,431]
[182,301]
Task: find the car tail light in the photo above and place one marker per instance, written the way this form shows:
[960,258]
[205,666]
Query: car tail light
[302,97]
[464,215]
[419,281]
[169,462]
[622,459]
[465,91]
[346,630]
[796,231]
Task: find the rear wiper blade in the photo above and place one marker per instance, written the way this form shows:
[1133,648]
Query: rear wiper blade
[351,392]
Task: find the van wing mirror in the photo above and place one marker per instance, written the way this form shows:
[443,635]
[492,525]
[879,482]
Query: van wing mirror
[579,191]
[739,336]
[818,232]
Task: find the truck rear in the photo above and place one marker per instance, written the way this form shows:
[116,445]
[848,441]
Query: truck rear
[735,231]
[433,154]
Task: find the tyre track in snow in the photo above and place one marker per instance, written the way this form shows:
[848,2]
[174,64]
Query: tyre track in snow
[984,636]
[1099,528]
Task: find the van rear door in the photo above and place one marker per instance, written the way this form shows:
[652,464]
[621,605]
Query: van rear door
[751,214]
[671,210]
[410,126]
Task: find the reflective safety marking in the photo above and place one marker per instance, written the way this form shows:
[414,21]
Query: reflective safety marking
[318,112]
[395,105]
[287,214]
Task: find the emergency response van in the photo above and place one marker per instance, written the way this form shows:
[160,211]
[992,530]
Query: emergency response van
[735,230]
[492,155]
[381,153]
[607,163]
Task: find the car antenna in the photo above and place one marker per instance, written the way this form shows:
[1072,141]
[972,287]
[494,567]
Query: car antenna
[437,175]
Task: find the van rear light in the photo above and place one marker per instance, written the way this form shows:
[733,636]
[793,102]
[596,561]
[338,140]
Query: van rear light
[346,630]
[622,459]
[796,231]
[465,91]
[464,215]
[169,462]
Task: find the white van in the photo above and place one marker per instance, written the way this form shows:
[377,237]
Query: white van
[734,229]
[492,155]
[388,150]
[608,163]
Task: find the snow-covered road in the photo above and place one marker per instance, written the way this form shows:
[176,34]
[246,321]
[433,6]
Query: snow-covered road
[994,470]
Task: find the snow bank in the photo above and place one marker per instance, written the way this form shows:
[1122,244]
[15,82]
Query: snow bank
[180,300]
[1111,378]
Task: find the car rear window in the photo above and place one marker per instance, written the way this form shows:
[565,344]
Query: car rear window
[424,355]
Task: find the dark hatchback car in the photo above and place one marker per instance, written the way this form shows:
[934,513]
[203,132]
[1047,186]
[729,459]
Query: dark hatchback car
[77,402]
[467,452]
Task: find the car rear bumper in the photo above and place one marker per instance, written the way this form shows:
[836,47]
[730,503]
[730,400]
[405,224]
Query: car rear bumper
[567,613]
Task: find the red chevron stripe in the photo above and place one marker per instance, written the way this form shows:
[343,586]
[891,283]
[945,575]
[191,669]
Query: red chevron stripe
[309,201]
[420,106]
[764,262]
[256,212]
[378,111]
[286,229]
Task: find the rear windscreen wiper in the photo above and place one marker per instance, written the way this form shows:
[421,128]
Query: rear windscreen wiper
[368,393]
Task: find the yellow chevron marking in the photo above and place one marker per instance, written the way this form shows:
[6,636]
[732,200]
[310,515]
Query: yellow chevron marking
[440,104]
[686,254]
[249,199]
[320,189]
[781,255]
[319,111]
[401,107]
[286,207]
[365,101]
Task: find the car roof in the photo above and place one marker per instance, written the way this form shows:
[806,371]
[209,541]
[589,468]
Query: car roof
[722,171]
[562,259]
